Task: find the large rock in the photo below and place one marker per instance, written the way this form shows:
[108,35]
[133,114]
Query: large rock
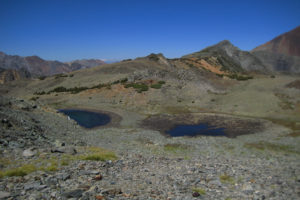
[4,195]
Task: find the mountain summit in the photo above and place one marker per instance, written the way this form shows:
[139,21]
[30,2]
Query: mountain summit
[230,57]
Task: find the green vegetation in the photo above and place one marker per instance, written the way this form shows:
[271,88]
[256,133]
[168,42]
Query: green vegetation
[153,57]
[60,76]
[20,171]
[271,147]
[199,190]
[156,86]
[124,80]
[51,163]
[176,148]
[227,179]
[240,77]
[139,87]
[98,154]
[34,98]
[42,77]
[40,93]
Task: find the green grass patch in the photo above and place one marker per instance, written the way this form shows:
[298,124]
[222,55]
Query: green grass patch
[199,190]
[156,86]
[20,171]
[51,163]
[139,87]
[239,77]
[176,148]
[60,76]
[98,154]
[225,178]
[271,147]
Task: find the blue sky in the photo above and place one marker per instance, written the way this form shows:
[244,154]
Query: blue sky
[117,29]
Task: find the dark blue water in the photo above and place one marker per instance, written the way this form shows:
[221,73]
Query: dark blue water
[194,130]
[87,119]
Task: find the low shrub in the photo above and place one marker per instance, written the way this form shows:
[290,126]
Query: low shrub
[42,77]
[139,87]
[199,190]
[225,178]
[156,86]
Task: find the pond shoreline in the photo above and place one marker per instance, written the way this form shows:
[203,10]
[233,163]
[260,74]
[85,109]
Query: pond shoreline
[115,119]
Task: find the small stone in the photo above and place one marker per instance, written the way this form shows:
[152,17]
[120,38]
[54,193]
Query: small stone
[73,193]
[63,176]
[4,195]
[196,194]
[69,150]
[99,197]
[29,152]
[98,177]
[247,189]
[113,191]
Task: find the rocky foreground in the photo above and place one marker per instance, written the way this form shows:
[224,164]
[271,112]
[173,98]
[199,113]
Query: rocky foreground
[46,156]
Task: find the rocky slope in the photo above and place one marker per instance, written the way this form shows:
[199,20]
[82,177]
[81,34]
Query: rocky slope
[287,44]
[7,75]
[37,66]
[43,156]
[85,63]
[229,58]
[281,54]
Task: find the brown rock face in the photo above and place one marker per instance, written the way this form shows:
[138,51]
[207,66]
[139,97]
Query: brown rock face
[287,43]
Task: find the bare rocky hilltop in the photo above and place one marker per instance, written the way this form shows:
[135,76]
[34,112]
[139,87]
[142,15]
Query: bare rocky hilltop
[45,155]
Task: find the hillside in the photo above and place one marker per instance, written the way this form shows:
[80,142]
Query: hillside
[287,44]
[229,58]
[37,66]
[282,54]
[44,153]
[7,75]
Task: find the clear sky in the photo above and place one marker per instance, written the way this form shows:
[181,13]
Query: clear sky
[117,29]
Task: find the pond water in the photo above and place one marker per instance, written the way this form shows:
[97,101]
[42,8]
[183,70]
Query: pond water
[87,119]
[194,130]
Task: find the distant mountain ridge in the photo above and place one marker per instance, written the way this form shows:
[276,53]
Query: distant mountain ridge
[280,55]
[37,66]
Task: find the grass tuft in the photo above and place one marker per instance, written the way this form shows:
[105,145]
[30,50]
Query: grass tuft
[271,147]
[199,190]
[225,178]
[98,154]
[20,171]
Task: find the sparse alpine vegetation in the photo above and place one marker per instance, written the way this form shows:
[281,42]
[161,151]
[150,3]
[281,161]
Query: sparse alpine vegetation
[138,86]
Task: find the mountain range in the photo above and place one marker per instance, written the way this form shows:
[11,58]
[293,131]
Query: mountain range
[280,55]
[13,67]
